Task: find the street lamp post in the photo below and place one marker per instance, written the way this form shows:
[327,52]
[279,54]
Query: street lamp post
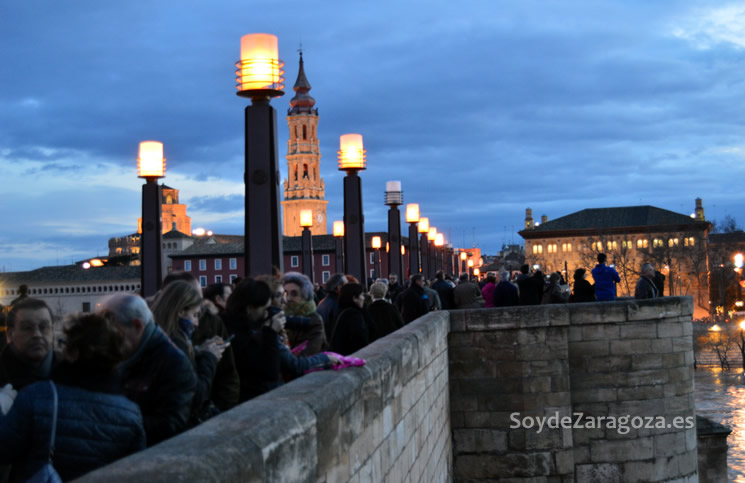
[462,264]
[394,198]
[470,268]
[151,165]
[431,250]
[439,243]
[339,245]
[424,245]
[260,77]
[412,218]
[376,244]
[352,160]
[306,221]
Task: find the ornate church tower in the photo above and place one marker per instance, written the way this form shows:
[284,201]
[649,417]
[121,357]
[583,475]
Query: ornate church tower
[304,188]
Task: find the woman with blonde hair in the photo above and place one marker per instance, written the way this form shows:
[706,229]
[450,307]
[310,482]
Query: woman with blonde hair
[176,310]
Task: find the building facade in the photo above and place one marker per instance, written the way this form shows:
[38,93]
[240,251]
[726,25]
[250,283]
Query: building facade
[675,244]
[304,188]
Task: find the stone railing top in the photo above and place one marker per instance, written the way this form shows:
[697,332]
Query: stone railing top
[291,432]
[627,310]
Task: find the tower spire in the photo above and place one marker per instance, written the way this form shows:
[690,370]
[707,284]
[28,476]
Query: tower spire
[302,102]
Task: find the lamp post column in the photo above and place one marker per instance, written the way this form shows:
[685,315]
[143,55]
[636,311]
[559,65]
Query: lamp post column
[394,198]
[151,166]
[339,246]
[352,160]
[259,76]
[412,218]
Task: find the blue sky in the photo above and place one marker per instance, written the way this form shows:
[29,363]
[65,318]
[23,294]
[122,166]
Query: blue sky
[481,108]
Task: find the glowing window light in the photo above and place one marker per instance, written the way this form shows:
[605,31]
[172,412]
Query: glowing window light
[351,152]
[259,67]
[150,162]
[339,228]
[306,218]
[412,213]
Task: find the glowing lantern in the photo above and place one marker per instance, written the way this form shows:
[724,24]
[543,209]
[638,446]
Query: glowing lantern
[351,152]
[259,67]
[470,263]
[412,213]
[739,260]
[424,225]
[432,234]
[476,272]
[306,218]
[150,162]
[439,240]
[463,255]
[376,242]
[403,250]
[339,228]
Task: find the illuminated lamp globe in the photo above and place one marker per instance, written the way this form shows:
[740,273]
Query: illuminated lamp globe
[739,260]
[476,272]
[376,242]
[463,255]
[351,153]
[412,213]
[150,162]
[338,228]
[439,240]
[432,234]
[423,225]
[306,218]
[259,72]
[470,263]
[403,250]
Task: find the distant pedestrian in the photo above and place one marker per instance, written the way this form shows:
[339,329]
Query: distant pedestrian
[488,290]
[583,290]
[659,283]
[444,291]
[531,289]
[553,292]
[385,316]
[505,292]
[605,278]
[413,302]
[645,287]
[468,294]
[352,331]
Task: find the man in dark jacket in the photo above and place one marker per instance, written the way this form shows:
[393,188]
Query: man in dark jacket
[29,356]
[329,306]
[394,288]
[531,289]
[444,290]
[156,374]
[505,294]
[413,301]
[645,287]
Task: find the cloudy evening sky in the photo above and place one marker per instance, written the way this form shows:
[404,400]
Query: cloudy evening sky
[480,107]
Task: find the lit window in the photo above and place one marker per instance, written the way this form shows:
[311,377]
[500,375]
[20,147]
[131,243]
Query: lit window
[627,244]
[203,280]
[187,265]
[233,263]
[325,260]
[656,243]
[642,243]
[218,263]
[673,242]
[294,261]
[537,249]
[566,247]
[689,242]
[551,248]
[202,265]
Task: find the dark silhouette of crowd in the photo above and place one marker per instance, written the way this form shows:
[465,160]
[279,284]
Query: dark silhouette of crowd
[138,372]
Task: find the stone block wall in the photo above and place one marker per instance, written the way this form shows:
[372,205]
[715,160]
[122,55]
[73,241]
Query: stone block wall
[386,421]
[627,362]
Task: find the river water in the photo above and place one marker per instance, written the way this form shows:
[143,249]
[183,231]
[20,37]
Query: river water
[720,396]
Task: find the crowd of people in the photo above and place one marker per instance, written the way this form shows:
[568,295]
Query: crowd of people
[140,371]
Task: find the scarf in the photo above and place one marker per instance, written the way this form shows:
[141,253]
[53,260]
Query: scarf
[303,309]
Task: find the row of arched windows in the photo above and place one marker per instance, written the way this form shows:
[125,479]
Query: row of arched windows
[75,290]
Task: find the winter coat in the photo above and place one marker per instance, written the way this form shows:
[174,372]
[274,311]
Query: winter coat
[468,296]
[553,294]
[161,380]
[204,365]
[95,426]
[606,279]
[413,303]
[531,290]
[488,293]
[226,385]
[505,295]
[385,317]
[293,366]
[256,354]
[351,332]
[328,309]
[311,329]
[645,289]
[15,371]
[445,291]
[583,291]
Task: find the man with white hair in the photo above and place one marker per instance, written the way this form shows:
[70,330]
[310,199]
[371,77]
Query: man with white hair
[645,287]
[156,374]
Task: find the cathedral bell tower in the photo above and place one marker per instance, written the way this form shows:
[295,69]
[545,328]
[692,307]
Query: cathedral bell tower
[304,187]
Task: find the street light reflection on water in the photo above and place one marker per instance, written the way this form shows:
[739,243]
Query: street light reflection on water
[720,396]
